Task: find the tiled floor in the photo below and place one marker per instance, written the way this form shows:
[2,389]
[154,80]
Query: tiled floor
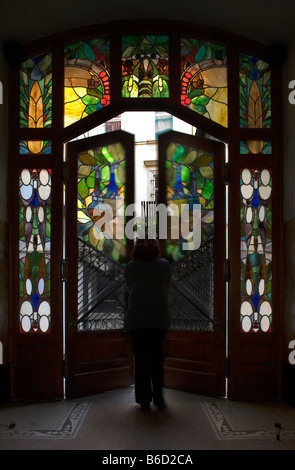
[113,421]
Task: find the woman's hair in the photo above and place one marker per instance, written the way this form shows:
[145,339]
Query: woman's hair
[146,249]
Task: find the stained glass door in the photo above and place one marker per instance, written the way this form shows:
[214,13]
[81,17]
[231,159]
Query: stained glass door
[192,189]
[99,186]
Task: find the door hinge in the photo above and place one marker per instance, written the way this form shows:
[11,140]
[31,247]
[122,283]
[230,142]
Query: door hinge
[64,367]
[226,367]
[65,172]
[226,173]
[64,270]
[227,270]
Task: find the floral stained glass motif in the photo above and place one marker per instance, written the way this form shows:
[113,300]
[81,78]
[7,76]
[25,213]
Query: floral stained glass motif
[35,250]
[87,78]
[145,66]
[36,94]
[204,79]
[255,93]
[189,180]
[34,147]
[256,250]
[100,199]
[250,147]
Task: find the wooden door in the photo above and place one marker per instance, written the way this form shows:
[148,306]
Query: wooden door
[191,175]
[100,184]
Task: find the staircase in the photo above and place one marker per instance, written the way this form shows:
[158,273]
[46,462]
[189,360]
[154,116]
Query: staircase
[102,297]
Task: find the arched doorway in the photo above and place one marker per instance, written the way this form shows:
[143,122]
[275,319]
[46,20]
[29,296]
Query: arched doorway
[220,85]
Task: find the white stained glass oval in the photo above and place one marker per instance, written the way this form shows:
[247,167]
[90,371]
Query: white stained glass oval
[26,177]
[28,287]
[249,215]
[247,191]
[44,192]
[265,177]
[26,308]
[26,323]
[44,177]
[261,213]
[44,308]
[41,214]
[249,288]
[265,323]
[265,308]
[28,214]
[26,191]
[41,285]
[261,287]
[44,324]
[246,176]
[246,308]
[246,324]
[265,192]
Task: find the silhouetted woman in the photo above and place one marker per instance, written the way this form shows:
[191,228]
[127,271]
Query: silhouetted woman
[147,281]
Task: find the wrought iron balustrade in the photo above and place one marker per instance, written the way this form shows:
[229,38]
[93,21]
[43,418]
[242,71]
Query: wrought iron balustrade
[102,297]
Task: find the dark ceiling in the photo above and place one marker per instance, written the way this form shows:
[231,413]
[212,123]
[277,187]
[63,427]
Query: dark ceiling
[266,21]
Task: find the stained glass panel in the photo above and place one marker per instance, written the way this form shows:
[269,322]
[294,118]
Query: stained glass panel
[100,203]
[36,92]
[87,78]
[35,250]
[255,92]
[189,177]
[250,147]
[35,147]
[256,250]
[145,66]
[204,79]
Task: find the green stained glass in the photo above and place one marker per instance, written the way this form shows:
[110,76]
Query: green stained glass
[145,66]
[35,250]
[204,79]
[100,199]
[256,147]
[36,92]
[255,92]
[189,179]
[87,78]
[256,250]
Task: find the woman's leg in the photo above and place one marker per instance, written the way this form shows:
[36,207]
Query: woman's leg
[157,367]
[143,391]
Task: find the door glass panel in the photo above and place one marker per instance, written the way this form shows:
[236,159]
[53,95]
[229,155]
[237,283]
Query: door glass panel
[101,188]
[190,183]
[256,250]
